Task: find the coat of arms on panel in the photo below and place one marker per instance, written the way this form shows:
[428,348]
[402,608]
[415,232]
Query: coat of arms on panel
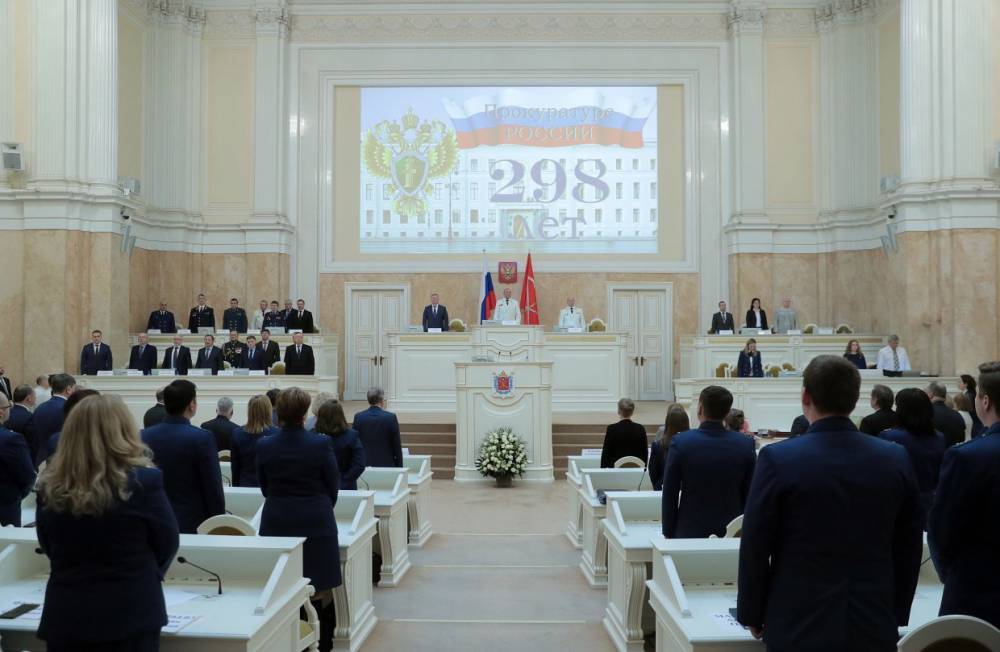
[503,384]
[507,272]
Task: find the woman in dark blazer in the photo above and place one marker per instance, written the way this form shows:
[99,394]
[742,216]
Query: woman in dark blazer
[967,384]
[925,446]
[676,421]
[624,438]
[854,355]
[749,364]
[330,421]
[298,476]
[756,317]
[109,531]
[243,443]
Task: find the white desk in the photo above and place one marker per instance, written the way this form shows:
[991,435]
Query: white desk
[419,480]
[574,529]
[227,473]
[633,521]
[391,496]
[258,610]
[774,403]
[594,562]
[245,502]
[695,579]
[355,611]
[28,510]
[701,355]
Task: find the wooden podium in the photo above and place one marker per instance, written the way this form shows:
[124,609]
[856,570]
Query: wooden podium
[493,395]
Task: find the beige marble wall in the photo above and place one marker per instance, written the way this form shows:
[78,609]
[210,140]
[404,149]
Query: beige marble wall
[12,302]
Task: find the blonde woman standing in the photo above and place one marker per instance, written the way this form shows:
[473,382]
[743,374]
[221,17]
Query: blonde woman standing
[109,531]
[243,445]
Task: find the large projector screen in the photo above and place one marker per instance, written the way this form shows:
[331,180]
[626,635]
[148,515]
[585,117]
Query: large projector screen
[544,169]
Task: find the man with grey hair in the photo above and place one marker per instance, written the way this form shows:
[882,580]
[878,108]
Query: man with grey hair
[786,318]
[378,430]
[222,426]
[948,421]
[892,358]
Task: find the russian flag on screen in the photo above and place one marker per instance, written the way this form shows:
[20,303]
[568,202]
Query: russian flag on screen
[583,117]
[487,297]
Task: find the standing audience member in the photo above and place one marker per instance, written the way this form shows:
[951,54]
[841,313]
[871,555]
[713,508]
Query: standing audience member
[967,385]
[786,319]
[42,390]
[831,542]
[299,359]
[749,364]
[925,446]
[47,448]
[756,317]
[677,421]
[892,359]
[963,532]
[48,416]
[298,476]
[379,432]
[708,472]
[188,458]
[947,420]
[736,421]
[854,355]
[272,395]
[966,409]
[6,388]
[317,403]
[21,418]
[95,356]
[799,426]
[17,470]
[625,438]
[222,425]
[346,445]
[155,414]
[883,417]
[243,454]
[109,532]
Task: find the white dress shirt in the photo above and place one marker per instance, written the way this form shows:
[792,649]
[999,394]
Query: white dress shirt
[885,360]
[507,310]
[571,317]
[42,395]
[756,316]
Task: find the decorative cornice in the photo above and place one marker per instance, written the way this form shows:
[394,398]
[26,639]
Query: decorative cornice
[272,20]
[479,27]
[746,17]
[183,13]
[843,11]
[230,24]
[790,22]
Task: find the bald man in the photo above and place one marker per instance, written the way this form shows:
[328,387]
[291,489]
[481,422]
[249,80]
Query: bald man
[507,309]
[571,316]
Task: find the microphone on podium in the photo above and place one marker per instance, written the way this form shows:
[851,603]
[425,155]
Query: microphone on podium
[218,578]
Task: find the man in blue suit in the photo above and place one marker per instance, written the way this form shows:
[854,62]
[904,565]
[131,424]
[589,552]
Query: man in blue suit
[379,432]
[49,415]
[17,472]
[161,320]
[253,356]
[963,532]
[95,356]
[435,315]
[210,356]
[21,419]
[832,532]
[143,356]
[708,472]
[188,458]
[177,357]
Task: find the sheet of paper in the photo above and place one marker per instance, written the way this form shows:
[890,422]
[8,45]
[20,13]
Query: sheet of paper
[726,621]
[176,623]
[173,596]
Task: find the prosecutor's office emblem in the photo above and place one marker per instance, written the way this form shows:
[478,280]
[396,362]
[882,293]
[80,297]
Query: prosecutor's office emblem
[503,384]
[507,272]
[408,154]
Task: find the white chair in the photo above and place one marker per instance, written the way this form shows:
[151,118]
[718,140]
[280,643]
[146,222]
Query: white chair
[629,461]
[225,455]
[227,525]
[733,530]
[952,634]
[309,628]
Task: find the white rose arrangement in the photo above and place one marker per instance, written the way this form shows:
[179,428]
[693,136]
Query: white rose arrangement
[502,454]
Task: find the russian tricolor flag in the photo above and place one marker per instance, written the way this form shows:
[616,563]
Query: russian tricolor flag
[487,297]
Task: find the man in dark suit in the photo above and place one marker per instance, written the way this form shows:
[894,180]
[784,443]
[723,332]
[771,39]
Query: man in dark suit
[222,426]
[188,458]
[177,357]
[708,472]
[435,315]
[963,531]
[286,312]
[21,418]
[95,356]
[17,471]
[201,316]
[143,356]
[253,356]
[5,387]
[155,414]
[209,356]
[48,417]
[883,418]
[299,359]
[272,352]
[161,320]
[301,318]
[235,318]
[625,438]
[799,426]
[274,318]
[379,432]
[948,421]
[722,320]
[832,531]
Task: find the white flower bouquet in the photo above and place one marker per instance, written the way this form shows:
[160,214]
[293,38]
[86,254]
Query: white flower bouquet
[502,455]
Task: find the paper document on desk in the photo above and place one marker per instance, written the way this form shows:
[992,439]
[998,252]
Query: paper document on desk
[174,596]
[726,621]
[177,622]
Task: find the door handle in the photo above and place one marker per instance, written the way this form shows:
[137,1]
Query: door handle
[380,360]
[642,361]
[375,359]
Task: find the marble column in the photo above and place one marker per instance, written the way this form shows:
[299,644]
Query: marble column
[270,125]
[746,28]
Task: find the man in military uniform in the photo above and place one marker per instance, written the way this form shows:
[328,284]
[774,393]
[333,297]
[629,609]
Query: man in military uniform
[274,318]
[235,318]
[201,316]
[161,320]
[233,350]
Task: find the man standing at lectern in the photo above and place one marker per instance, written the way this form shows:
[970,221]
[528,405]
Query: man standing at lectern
[722,320]
[893,359]
[571,316]
[299,360]
[143,356]
[201,316]
[95,356]
[300,318]
[177,357]
[210,356]
[161,320]
[435,315]
[507,309]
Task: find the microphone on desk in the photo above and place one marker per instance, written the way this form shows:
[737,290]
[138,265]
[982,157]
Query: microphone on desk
[645,469]
[218,578]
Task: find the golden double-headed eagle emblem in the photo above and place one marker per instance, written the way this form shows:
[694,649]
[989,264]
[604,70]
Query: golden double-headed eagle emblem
[410,153]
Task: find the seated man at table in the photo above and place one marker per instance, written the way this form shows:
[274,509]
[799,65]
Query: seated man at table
[708,472]
[299,360]
[435,315]
[722,320]
[883,418]
[177,357]
[571,316]
[831,542]
[892,359]
[95,356]
[235,318]
[210,356]
[202,316]
[161,320]
[143,356]
[253,356]
[233,350]
[274,317]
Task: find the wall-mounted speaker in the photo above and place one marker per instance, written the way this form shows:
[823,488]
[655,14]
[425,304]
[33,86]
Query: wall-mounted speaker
[13,156]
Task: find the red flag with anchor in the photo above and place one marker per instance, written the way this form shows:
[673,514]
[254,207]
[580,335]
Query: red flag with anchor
[529,299]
